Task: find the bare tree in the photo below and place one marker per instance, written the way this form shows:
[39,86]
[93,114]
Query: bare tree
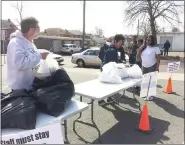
[151,10]
[145,29]
[19,7]
[98,31]
[175,29]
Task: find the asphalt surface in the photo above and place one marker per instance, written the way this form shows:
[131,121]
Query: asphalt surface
[118,123]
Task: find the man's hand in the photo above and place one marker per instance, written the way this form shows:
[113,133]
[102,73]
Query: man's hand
[44,55]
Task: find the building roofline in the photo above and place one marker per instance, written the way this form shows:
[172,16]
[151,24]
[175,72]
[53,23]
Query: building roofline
[171,33]
[61,38]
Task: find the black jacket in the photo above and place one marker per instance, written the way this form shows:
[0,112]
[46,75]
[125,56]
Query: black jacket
[102,52]
[111,55]
[122,54]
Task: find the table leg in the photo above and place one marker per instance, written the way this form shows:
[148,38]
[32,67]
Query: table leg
[92,119]
[66,141]
[122,96]
[92,125]
[80,112]
[136,99]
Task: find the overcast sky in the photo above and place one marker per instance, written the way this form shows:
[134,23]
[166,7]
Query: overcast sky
[108,15]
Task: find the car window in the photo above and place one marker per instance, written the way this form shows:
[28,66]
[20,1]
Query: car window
[74,46]
[90,52]
[96,52]
[70,46]
[64,45]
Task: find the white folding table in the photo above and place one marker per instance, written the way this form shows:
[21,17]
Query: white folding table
[74,108]
[96,90]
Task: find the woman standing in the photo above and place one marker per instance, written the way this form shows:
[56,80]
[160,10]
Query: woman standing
[150,57]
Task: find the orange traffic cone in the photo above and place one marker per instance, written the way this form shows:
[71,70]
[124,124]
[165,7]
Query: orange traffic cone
[169,86]
[144,124]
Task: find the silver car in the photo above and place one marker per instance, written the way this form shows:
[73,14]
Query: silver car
[70,48]
[88,57]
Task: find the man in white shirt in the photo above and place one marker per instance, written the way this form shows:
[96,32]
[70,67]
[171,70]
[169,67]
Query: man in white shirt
[22,55]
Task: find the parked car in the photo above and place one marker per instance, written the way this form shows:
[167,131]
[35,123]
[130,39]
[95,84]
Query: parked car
[70,48]
[88,57]
[57,57]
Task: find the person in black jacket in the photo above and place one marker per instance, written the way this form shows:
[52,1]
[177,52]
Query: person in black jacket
[122,51]
[166,47]
[102,52]
[111,55]
[133,51]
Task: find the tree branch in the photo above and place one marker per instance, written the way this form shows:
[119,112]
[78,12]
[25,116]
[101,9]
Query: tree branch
[19,9]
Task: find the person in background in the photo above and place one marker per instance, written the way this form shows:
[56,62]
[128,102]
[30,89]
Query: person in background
[138,58]
[150,57]
[102,52]
[138,62]
[133,50]
[122,54]
[22,55]
[166,47]
[111,55]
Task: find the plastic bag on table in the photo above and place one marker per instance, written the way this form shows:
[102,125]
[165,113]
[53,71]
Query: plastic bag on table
[54,94]
[42,70]
[122,72]
[110,74]
[18,110]
[52,64]
[46,68]
[134,72]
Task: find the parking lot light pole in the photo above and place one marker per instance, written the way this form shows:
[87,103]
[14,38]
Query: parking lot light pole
[83,39]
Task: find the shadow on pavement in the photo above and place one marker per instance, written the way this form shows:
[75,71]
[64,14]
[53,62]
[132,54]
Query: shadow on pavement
[168,107]
[128,100]
[124,132]
[159,86]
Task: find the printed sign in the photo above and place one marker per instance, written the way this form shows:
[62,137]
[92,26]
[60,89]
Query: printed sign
[50,134]
[149,84]
[174,66]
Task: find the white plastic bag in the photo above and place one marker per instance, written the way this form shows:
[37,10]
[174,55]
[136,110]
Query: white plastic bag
[134,72]
[43,70]
[46,67]
[122,72]
[110,74]
[52,64]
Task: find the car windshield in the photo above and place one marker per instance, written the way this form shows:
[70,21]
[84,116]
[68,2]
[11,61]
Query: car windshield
[91,52]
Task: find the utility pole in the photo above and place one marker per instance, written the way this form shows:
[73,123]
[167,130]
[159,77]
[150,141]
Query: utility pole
[83,39]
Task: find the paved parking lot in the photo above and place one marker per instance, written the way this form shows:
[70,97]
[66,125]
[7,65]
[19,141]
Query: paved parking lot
[117,123]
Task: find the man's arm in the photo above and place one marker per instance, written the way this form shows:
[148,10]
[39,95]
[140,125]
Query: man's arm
[21,59]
